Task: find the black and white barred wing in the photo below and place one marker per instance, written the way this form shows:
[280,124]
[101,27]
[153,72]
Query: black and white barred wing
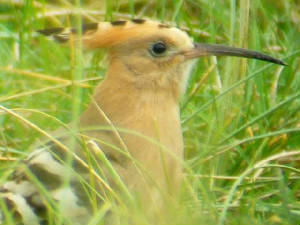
[45,184]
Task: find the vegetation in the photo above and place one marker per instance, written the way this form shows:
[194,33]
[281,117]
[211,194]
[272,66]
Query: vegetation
[240,117]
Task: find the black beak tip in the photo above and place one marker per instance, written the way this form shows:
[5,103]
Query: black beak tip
[279,62]
[283,63]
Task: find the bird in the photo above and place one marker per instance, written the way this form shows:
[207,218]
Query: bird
[130,131]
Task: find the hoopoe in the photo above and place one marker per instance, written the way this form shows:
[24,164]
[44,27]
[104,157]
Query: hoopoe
[133,121]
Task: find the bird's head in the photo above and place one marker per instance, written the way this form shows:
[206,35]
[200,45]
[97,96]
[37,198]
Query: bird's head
[149,54]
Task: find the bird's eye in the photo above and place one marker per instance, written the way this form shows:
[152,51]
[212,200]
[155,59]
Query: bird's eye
[158,49]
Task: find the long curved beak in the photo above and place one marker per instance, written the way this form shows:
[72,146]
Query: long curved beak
[201,50]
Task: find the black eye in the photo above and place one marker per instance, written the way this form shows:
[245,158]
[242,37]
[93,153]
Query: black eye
[158,48]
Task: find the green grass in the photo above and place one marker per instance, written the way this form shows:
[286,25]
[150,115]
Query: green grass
[240,117]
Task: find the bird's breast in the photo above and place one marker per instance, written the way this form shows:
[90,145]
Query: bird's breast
[147,127]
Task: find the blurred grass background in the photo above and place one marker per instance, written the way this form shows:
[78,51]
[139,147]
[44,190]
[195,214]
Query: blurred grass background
[240,117]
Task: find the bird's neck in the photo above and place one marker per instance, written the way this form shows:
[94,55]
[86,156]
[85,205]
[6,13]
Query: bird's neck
[122,100]
[124,97]
[120,75]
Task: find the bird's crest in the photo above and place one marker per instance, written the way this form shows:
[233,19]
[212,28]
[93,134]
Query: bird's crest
[107,34]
